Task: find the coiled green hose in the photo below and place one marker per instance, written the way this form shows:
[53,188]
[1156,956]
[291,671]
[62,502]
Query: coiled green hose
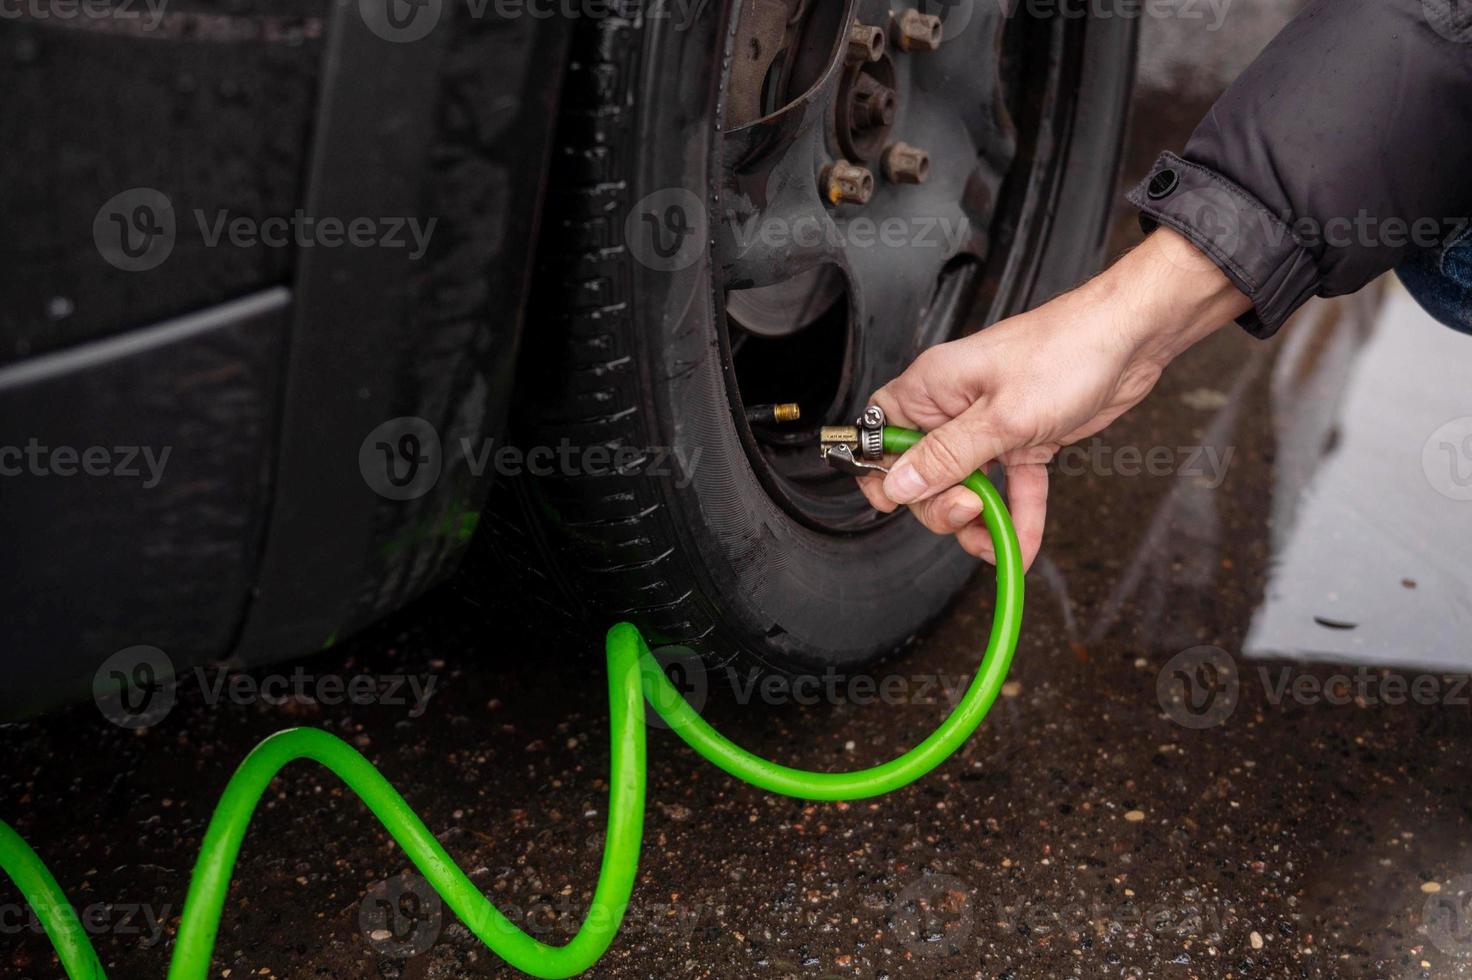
[633,676]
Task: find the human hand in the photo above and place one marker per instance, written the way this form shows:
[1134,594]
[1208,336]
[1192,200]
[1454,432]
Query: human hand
[1018,391]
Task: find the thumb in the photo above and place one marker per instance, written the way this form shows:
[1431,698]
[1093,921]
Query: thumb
[944,458]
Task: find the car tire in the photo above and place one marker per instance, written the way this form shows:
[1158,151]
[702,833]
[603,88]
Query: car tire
[640,497]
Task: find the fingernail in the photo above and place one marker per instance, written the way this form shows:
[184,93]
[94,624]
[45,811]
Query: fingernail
[962,514]
[903,484]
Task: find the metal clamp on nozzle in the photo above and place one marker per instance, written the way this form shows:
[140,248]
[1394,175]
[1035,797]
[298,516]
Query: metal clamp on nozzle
[850,448]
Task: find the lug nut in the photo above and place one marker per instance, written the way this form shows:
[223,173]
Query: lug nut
[906,164]
[865,43]
[914,31]
[847,183]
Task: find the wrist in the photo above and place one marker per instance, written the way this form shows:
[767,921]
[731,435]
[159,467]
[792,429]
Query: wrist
[1171,296]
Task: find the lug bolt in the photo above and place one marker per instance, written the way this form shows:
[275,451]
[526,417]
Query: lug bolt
[865,43]
[873,102]
[843,182]
[914,31]
[906,164]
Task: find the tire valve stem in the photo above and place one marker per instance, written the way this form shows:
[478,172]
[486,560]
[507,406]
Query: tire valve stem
[773,414]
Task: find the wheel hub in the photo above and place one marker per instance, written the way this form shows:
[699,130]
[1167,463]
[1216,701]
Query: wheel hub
[864,152]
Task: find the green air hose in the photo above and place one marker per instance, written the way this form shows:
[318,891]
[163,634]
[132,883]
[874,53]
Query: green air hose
[633,675]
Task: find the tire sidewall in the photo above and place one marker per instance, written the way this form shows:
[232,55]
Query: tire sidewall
[785,594]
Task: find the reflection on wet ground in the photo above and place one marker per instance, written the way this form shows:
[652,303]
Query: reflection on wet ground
[1143,801]
[1373,508]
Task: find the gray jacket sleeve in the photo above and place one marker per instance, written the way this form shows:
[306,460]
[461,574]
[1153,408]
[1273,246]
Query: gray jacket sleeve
[1345,145]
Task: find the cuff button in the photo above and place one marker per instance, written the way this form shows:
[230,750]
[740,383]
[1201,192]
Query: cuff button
[1162,184]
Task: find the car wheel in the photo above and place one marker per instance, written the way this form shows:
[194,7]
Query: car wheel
[786,201]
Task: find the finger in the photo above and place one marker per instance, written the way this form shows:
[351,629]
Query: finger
[894,414]
[873,490]
[944,458]
[948,512]
[1027,498]
[894,409]
[976,540]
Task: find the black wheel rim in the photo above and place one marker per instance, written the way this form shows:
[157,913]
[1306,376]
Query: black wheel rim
[822,302]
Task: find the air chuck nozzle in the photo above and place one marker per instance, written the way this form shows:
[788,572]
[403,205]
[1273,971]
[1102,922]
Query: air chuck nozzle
[855,449]
[839,435]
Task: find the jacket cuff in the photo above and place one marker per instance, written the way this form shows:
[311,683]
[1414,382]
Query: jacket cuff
[1254,247]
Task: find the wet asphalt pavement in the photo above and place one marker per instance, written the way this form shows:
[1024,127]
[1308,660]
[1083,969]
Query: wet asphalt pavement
[1138,804]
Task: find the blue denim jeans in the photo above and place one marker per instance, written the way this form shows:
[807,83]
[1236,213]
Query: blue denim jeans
[1441,281]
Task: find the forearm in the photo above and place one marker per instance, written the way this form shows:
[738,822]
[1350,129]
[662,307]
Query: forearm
[1166,296]
[1340,149]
